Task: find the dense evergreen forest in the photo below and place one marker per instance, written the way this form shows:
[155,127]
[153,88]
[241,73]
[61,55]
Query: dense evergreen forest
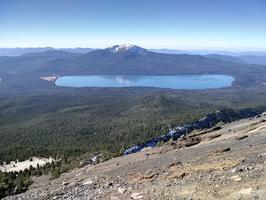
[75,122]
[72,124]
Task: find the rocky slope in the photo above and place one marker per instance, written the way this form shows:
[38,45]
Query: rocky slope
[226,162]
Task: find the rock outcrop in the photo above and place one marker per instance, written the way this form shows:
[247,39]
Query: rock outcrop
[227,115]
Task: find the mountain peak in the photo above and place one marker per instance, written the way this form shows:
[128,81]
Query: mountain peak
[127,48]
[122,47]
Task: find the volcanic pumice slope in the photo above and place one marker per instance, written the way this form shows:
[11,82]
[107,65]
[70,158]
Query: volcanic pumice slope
[228,162]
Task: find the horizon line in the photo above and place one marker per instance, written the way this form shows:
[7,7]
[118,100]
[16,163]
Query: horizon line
[234,49]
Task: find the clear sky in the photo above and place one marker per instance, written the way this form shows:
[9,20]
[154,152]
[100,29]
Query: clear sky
[175,24]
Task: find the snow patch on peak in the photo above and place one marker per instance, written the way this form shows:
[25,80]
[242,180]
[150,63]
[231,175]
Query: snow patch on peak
[122,47]
[127,48]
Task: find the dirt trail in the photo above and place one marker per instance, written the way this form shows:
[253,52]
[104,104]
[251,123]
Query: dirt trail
[229,163]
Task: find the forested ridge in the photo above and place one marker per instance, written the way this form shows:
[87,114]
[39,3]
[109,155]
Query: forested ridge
[108,120]
[39,126]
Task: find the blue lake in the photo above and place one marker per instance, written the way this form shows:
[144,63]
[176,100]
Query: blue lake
[159,81]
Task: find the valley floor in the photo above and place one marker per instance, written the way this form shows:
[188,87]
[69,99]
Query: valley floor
[229,163]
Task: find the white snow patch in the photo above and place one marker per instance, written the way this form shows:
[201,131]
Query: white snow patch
[17,166]
[122,47]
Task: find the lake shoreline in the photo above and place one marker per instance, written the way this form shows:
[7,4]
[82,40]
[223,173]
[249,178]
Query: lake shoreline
[208,81]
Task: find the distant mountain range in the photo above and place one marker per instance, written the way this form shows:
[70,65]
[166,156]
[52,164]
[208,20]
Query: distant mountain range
[239,57]
[127,60]
[206,52]
[250,57]
[21,51]
[245,59]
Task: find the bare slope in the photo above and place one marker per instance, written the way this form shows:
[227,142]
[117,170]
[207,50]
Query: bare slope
[229,163]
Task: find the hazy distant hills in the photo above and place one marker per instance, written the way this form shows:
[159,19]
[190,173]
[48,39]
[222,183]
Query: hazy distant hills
[206,52]
[225,58]
[254,59]
[258,58]
[136,60]
[132,60]
[21,51]
[245,59]
[239,57]
[51,54]
[119,59]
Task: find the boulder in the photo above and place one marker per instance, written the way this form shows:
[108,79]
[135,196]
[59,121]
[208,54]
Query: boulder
[136,195]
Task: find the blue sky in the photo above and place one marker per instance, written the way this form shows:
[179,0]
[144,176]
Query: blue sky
[175,24]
